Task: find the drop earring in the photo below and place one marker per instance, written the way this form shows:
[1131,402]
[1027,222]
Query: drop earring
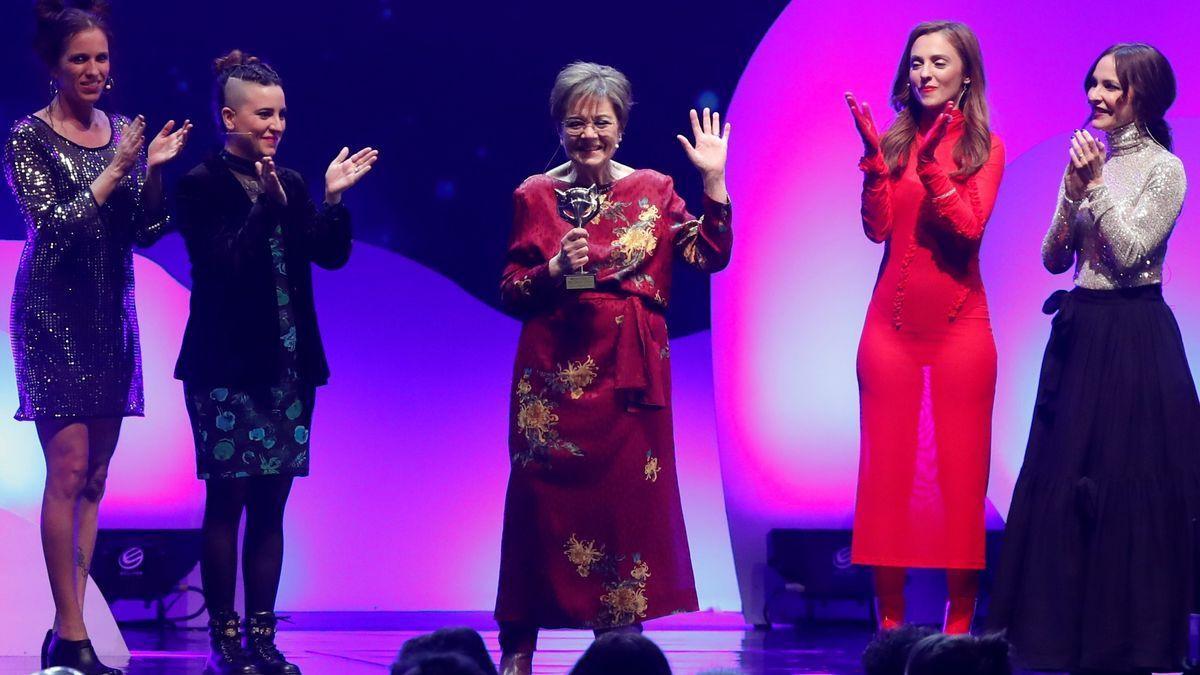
[108,84]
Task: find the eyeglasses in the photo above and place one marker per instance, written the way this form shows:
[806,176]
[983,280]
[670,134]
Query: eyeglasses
[576,126]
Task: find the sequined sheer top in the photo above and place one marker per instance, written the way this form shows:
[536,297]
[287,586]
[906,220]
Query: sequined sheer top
[74,326]
[1117,234]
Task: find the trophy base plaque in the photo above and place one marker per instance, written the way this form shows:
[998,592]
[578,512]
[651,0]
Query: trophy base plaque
[580,282]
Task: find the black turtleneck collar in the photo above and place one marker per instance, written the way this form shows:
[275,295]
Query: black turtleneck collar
[239,164]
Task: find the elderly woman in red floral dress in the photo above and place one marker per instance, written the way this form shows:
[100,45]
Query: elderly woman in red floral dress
[593,527]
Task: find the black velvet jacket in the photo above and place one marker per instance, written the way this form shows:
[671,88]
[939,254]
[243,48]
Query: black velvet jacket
[232,335]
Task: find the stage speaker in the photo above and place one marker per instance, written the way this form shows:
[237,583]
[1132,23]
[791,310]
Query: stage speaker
[817,562]
[143,565]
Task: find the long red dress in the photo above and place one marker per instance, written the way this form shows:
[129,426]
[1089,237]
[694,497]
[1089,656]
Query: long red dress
[593,526]
[926,364]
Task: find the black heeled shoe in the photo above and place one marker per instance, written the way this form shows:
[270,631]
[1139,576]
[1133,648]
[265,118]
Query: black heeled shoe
[225,638]
[260,642]
[77,654]
[46,649]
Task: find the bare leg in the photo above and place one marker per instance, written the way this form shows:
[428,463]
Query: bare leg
[102,443]
[65,447]
[962,588]
[889,596]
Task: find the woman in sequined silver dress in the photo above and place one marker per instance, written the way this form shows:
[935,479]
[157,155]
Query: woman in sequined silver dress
[1096,573]
[88,192]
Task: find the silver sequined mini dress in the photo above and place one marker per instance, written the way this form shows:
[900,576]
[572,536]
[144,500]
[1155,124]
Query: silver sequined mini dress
[73,324]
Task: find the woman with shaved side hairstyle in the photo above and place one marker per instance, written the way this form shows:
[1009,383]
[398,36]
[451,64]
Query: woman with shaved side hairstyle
[252,357]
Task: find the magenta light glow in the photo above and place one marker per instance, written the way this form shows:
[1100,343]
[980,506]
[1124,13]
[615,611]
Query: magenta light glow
[410,461]
[788,313]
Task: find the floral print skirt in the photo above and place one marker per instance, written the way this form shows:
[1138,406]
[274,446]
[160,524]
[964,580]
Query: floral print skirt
[242,433]
[593,527]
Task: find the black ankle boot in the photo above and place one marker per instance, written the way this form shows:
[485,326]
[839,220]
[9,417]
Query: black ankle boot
[227,656]
[260,642]
[46,649]
[77,654]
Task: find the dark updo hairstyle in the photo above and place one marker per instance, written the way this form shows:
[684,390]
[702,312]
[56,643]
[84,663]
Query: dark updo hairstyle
[59,20]
[943,654]
[238,65]
[1144,69]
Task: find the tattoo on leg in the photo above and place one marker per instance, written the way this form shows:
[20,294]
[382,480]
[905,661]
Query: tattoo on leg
[81,562]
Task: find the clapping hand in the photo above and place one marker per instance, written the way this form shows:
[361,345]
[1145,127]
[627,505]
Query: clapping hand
[937,132]
[865,124]
[346,170]
[133,135]
[1086,169]
[167,144]
[270,180]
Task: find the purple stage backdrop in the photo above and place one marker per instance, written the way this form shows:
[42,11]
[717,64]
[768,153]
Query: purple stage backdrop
[787,314]
[403,507]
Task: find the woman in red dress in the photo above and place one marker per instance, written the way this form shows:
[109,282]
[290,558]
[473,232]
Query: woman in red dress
[593,527]
[927,360]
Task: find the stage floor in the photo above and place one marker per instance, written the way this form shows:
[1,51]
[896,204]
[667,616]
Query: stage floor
[353,643]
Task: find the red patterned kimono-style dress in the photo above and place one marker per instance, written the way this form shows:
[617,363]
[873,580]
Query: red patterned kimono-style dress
[593,527]
[926,364]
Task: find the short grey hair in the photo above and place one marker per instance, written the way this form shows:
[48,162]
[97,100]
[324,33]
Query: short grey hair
[583,79]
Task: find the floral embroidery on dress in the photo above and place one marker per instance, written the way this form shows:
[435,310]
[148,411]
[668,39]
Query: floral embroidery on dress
[689,244]
[536,420]
[642,280]
[573,378]
[583,554]
[625,599]
[652,468]
[641,571]
[524,285]
[637,241]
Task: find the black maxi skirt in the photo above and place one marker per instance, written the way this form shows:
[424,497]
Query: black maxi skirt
[1098,568]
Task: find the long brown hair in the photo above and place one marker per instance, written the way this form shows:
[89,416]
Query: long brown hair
[972,150]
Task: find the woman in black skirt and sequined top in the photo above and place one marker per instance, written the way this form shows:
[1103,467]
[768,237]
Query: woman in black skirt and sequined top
[252,357]
[1096,573]
[88,192]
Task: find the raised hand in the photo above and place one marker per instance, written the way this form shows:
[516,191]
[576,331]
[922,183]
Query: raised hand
[572,254]
[711,146]
[1087,158]
[865,124]
[929,143]
[270,180]
[345,170]
[167,144]
[132,138]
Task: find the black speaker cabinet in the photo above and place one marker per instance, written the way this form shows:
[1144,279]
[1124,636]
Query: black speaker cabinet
[143,564]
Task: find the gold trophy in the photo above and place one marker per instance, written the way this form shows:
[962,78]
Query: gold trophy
[578,205]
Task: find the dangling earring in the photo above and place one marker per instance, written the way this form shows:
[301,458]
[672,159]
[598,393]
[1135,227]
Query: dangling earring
[963,94]
[108,84]
[53,88]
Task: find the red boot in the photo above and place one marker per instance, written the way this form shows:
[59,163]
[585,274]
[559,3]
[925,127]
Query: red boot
[962,588]
[889,597]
